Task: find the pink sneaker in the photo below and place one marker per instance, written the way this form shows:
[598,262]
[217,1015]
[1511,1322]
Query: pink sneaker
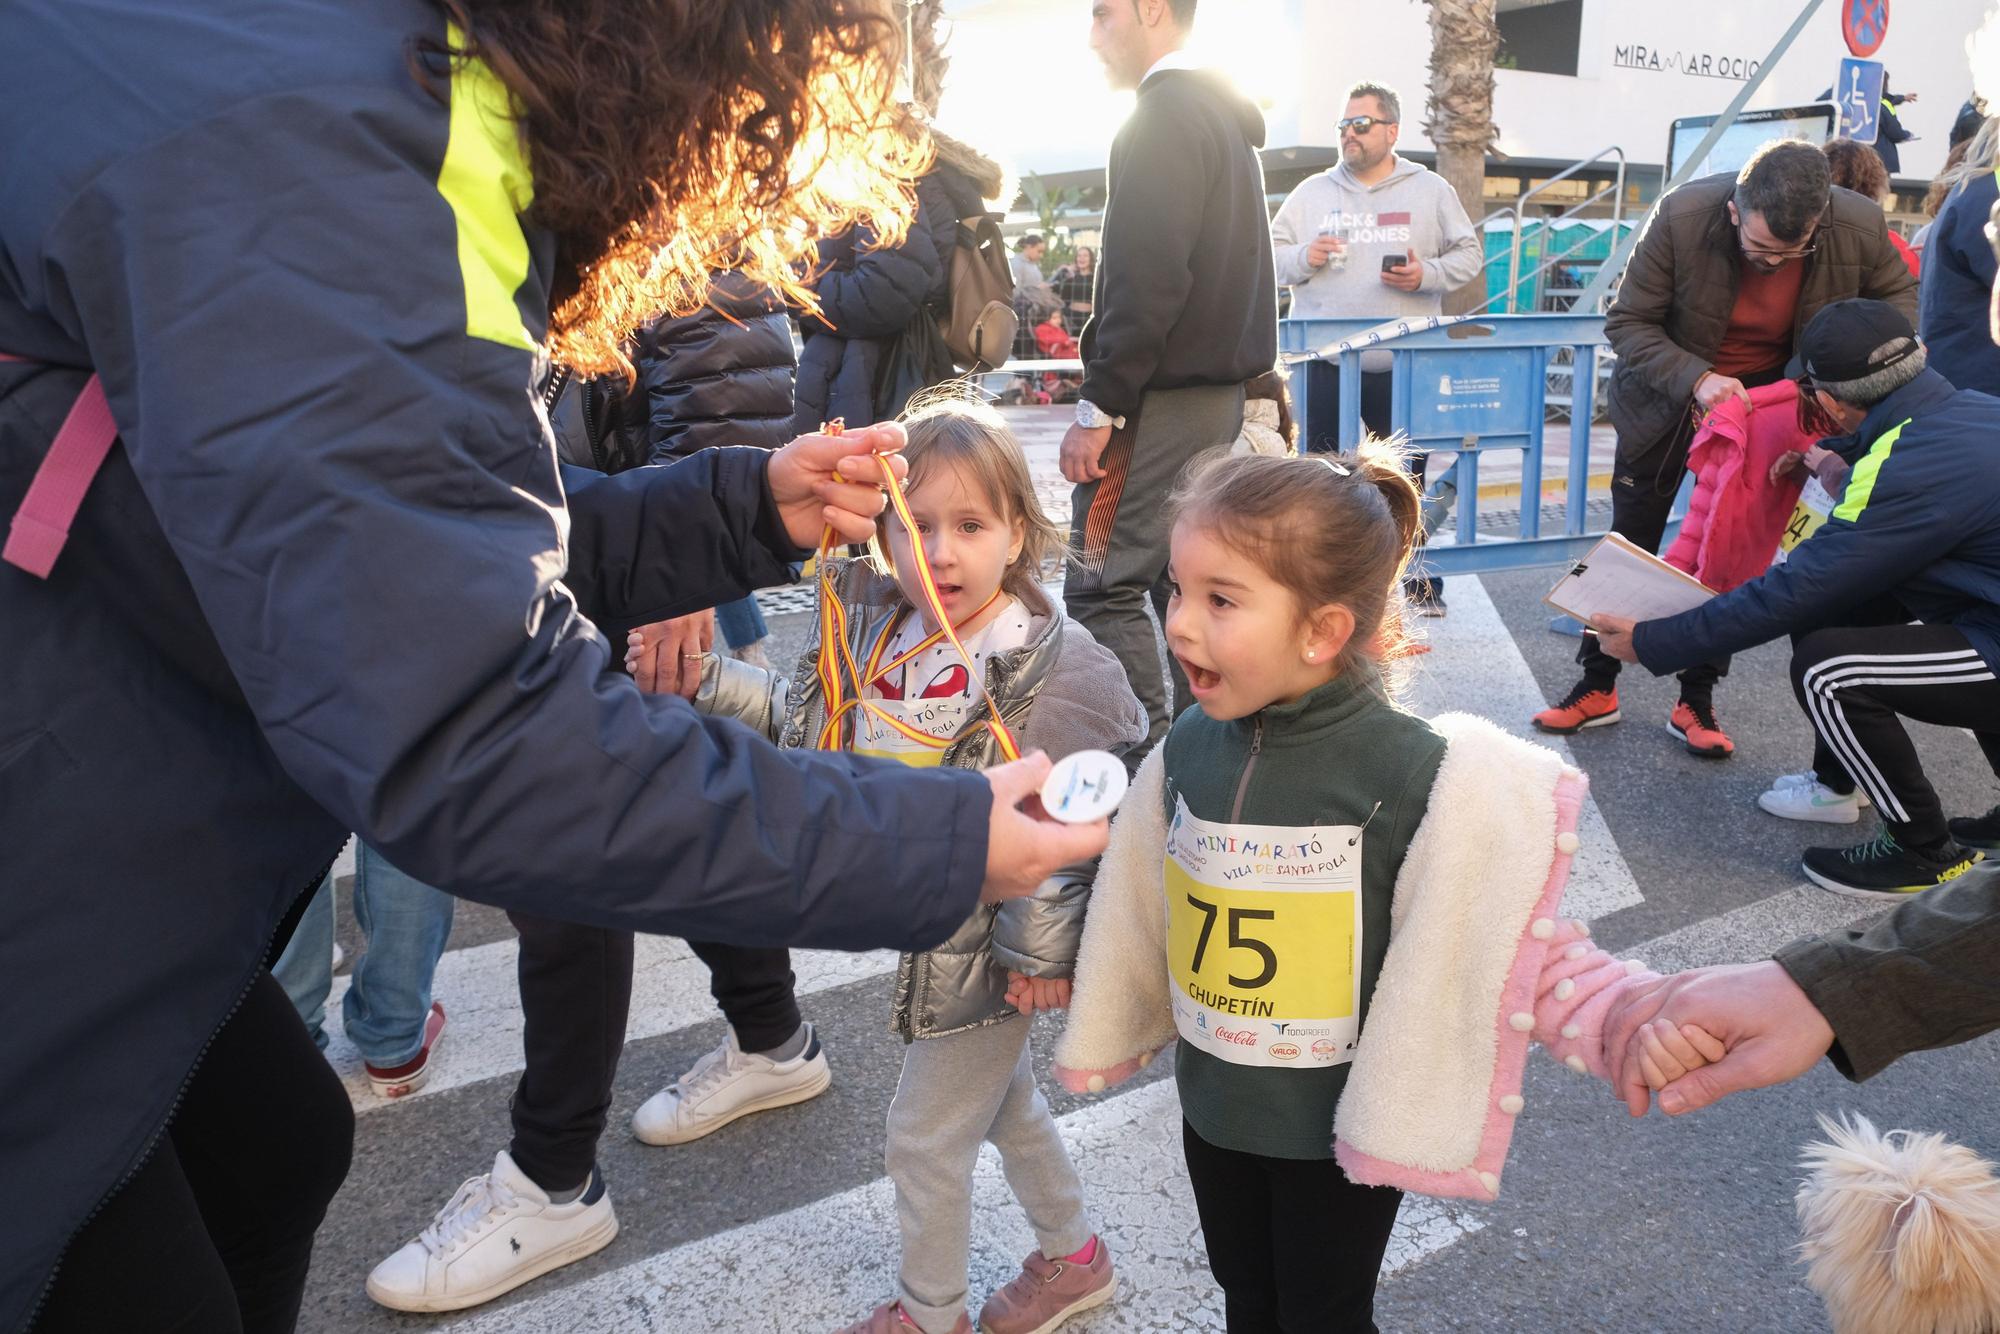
[888,1318]
[396,1081]
[1048,1292]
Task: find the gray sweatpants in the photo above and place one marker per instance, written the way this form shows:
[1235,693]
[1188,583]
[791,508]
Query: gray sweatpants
[1119,530]
[957,1092]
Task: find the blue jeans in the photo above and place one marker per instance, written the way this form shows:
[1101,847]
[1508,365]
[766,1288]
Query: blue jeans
[406,923]
[740,623]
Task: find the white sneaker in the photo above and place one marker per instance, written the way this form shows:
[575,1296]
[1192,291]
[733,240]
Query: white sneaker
[1808,778]
[729,1083]
[1803,797]
[497,1232]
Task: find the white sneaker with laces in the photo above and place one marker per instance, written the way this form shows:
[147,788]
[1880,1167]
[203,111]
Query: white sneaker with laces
[729,1083]
[498,1232]
[1802,796]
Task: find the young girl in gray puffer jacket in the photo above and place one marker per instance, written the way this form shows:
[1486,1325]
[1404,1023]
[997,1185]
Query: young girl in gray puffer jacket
[967,1075]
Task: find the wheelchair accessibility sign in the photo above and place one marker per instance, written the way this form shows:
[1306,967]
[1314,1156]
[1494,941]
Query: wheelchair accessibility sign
[1858,94]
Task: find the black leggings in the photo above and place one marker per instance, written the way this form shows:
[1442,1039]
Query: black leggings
[214,1234]
[576,995]
[1294,1245]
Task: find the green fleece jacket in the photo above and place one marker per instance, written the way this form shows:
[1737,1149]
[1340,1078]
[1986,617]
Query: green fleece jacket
[1339,756]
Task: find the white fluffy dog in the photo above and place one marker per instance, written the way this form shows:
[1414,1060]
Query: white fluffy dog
[1901,1231]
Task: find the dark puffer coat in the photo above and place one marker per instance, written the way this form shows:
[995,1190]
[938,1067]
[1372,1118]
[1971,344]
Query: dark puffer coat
[721,376]
[868,296]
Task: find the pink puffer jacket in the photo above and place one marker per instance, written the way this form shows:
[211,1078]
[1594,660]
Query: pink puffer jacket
[1737,515]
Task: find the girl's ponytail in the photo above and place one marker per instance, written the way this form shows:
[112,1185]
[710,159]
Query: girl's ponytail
[1384,466]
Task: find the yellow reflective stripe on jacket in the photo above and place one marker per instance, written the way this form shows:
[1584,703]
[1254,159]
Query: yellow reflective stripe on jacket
[1861,485]
[485,179]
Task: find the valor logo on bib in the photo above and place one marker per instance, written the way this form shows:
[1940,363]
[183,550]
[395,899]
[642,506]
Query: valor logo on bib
[1285,1051]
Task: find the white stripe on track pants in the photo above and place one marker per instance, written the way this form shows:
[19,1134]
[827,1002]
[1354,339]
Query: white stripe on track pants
[1856,684]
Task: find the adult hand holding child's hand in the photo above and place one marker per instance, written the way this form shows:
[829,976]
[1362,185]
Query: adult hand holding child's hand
[835,479]
[664,658]
[1023,846]
[1768,1029]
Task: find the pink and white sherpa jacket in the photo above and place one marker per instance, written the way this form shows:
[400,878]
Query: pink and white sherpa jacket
[1479,963]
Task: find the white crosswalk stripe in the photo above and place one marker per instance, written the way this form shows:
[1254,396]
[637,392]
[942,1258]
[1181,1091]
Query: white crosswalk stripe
[826,1264]
[1475,665]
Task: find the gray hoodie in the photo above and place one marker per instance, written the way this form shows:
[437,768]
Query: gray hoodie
[1410,209]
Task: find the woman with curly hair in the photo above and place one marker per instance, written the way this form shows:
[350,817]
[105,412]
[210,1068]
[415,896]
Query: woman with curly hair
[303,262]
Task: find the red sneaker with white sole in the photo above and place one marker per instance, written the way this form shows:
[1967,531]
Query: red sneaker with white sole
[1584,706]
[1695,725]
[397,1081]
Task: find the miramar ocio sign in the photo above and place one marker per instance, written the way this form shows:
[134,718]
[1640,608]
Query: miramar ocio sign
[1684,60]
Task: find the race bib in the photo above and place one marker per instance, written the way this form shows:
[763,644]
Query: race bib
[1264,939]
[1815,504]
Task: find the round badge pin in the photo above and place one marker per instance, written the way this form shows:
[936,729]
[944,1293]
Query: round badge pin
[1085,786]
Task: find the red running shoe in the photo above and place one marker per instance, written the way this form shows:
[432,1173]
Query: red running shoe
[1695,725]
[396,1081]
[1584,706]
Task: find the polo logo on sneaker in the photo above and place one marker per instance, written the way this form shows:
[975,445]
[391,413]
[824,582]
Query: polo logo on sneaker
[515,1242]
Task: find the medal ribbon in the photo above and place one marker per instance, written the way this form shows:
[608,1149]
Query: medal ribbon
[835,651]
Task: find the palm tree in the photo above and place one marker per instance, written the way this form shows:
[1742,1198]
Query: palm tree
[1465,38]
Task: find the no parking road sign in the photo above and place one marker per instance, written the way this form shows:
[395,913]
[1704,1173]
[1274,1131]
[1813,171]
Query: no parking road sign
[1864,23]
[1858,93]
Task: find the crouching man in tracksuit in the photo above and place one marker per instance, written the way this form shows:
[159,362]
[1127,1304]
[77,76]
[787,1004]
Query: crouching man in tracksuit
[1915,537]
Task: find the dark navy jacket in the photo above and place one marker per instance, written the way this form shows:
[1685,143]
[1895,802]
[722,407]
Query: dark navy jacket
[331,580]
[868,295]
[1919,520]
[1957,290]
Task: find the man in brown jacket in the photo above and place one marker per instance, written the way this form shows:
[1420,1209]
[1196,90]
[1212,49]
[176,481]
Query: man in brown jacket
[1726,273]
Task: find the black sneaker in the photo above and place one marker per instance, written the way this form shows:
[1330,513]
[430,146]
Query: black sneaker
[1978,831]
[1884,868]
[1425,596]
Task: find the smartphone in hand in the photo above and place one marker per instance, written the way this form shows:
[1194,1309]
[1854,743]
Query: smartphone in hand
[1390,263]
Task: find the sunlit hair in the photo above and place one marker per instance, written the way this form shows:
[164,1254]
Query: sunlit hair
[670,139]
[1328,528]
[949,429]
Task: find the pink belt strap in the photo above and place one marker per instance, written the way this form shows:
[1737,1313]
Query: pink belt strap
[41,524]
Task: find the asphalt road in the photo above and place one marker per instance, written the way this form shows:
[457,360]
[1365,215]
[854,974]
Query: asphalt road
[781,1221]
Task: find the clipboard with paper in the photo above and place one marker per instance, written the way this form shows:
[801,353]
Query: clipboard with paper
[1620,579]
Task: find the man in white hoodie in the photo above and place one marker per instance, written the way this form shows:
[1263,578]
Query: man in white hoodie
[1334,241]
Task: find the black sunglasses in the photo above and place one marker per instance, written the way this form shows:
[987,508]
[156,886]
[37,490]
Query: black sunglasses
[1362,124]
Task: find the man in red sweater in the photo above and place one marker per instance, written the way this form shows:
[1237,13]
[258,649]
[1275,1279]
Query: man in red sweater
[1726,272]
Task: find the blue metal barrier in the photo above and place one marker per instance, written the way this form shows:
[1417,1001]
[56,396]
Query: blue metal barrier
[1465,389]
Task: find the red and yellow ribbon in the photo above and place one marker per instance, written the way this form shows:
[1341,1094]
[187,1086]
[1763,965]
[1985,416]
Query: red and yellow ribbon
[835,651]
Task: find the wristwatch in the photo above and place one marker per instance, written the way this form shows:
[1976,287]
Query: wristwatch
[1093,418]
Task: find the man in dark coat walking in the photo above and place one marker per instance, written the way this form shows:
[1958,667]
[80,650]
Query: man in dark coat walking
[1186,312]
